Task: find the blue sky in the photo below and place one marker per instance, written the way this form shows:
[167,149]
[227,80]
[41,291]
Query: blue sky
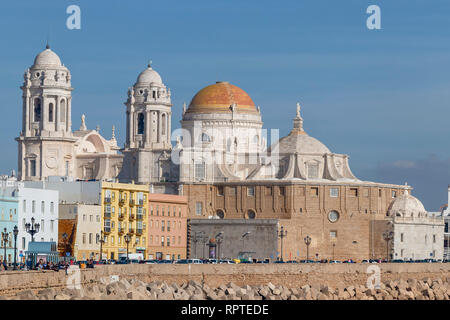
[380,96]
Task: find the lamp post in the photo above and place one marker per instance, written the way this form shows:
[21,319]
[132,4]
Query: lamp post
[127,239]
[195,240]
[15,233]
[243,240]
[204,240]
[219,239]
[307,242]
[387,236]
[32,228]
[281,234]
[5,241]
[101,240]
[334,245]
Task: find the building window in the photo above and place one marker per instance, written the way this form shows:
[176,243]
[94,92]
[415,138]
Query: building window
[90,238]
[84,217]
[333,234]
[199,170]
[84,238]
[219,214]
[333,216]
[334,192]
[32,168]
[315,191]
[162,225]
[198,208]
[52,207]
[379,193]
[141,123]
[401,237]
[168,241]
[220,190]
[23,242]
[162,241]
[353,192]
[251,191]
[42,225]
[51,225]
[24,206]
[434,238]
[282,191]
[50,112]
[313,170]
[37,110]
[42,207]
[394,193]
[62,108]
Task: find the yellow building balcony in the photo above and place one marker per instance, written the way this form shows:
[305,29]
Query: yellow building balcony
[121,216]
[131,217]
[131,231]
[121,231]
[132,203]
[122,201]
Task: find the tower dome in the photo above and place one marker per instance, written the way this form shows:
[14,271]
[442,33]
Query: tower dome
[47,58]
[149,76]
[220,97]
[405,205]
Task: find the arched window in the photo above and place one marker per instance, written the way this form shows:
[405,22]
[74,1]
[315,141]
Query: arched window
[37,110]
[205,137]
[50,112]
[62,110]
[163,124]
[141,123]
[313,170]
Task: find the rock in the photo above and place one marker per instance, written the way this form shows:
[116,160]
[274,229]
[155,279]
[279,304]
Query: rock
[48,293]
[62,296]
[26,295]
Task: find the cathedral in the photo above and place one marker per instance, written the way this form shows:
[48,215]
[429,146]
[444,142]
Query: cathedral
[221,160]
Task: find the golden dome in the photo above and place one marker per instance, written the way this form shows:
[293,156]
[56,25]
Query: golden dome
[219,97]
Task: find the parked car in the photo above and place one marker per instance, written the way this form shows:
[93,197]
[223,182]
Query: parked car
[335,261]
[151,261]
[279,261]
[348,261]
[292,261]
[226,261]
[182,261]
[307,261]
[365,261]
[324,261]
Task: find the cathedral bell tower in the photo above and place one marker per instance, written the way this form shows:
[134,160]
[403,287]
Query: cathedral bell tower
[148,117]
[46,140]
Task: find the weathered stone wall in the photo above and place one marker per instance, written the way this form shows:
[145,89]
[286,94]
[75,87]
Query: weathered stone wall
[214,275]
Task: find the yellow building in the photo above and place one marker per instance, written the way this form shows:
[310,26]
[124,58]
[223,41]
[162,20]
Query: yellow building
[124,212]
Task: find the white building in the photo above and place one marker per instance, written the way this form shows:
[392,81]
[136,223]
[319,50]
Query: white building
[40,204]
[416,234]
[47,145]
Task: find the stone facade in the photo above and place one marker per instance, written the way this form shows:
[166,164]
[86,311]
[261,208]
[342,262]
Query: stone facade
[239,238]
[303,209]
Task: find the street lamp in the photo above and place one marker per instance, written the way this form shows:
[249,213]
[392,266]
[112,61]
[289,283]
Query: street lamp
[15,233]
[127,239]
[219,239]
[387,236]
[204,240]
[307,242]
[281,234]
[243,240]
[334,245]
[5,241]
[195,240]
[32,228]
[101,240]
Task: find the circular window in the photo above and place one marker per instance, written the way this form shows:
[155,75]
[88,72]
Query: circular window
[38,74]
[220,214]
[251,214]
[141,91]
[333,216]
